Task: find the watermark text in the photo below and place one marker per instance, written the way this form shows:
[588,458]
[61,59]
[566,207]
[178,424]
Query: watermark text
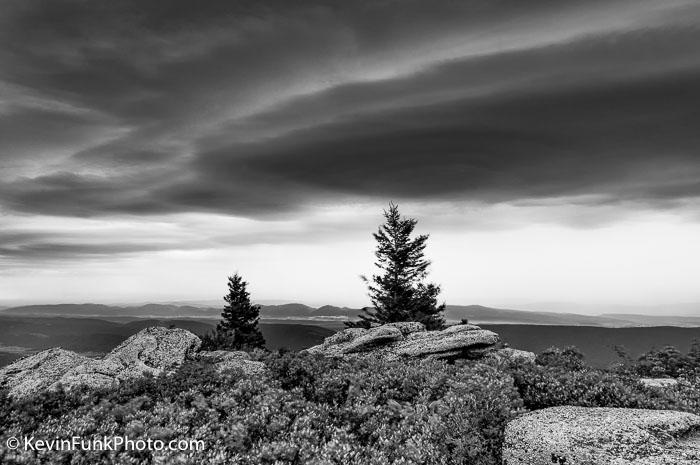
[102,443]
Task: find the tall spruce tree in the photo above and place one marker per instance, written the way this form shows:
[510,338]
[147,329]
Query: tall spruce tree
[399,293]
[238,329]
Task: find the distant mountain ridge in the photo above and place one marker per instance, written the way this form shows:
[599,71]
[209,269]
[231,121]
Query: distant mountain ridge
[297,311]
[24,335]
[100,310]
[291,310]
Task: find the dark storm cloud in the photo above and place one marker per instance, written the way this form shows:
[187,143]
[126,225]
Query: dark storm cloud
[628,134]
[74,195]
[621,140]
[259,108]
[31,132]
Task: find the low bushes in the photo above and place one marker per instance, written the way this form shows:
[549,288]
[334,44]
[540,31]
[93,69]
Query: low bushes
[308,410]
[314,410]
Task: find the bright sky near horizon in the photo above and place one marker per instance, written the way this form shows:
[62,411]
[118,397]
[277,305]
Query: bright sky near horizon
[549,148]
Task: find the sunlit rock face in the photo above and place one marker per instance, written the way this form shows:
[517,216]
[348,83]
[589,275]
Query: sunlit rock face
[409,340]
[597,436]
[38,372]
[151,351]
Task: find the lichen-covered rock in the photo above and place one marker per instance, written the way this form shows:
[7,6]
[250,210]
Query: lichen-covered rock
[659,382]
[510,355]
[38,372]
[353,340]
[449,343]
[375,337]
[597,436]
[408,327]
[155,349]
[151,351]
[463,328]
[410,340]
[95,373]
[346,335]
[224,360]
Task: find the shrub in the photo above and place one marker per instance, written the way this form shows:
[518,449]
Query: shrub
[569,358]
[310,409]
[561,377]
[668,361]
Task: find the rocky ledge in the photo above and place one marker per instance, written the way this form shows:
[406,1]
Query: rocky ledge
[224,360]
[509,355]
[152,351]
[409,340]
[597,436]
[660,383]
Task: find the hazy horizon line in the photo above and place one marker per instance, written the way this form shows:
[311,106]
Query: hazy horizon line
[681,308]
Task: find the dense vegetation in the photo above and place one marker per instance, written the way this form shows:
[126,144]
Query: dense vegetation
[323,411]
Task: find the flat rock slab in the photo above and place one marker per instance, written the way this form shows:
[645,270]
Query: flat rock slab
[659,382]
[602,436]
[38,372]
[409,340]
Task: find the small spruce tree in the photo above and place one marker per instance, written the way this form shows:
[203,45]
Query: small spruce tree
[399,293]
[238,329]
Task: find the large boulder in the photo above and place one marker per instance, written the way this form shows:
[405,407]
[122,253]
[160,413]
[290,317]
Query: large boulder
[155,349]
[37,372]
[409,340]
[151,351]
[597,436]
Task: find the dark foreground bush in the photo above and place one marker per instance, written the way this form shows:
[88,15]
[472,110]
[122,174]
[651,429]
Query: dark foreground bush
[665,362]
[541,387]
[309,410]
[312,410]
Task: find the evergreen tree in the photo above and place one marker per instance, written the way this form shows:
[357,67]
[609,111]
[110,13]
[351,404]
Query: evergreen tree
[399,293]
[238,329]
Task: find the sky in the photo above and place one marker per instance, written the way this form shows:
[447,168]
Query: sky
[549,148]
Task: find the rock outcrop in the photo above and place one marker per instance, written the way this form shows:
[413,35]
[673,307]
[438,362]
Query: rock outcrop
[38,372]
[510,355]
[597,436]
[151,351]
[659,382]
[224,360]
[409,340]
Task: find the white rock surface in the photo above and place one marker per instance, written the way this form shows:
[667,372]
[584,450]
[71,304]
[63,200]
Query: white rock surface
[375,337]
[602,436]
[659,382]
[37,372]
[153,350]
